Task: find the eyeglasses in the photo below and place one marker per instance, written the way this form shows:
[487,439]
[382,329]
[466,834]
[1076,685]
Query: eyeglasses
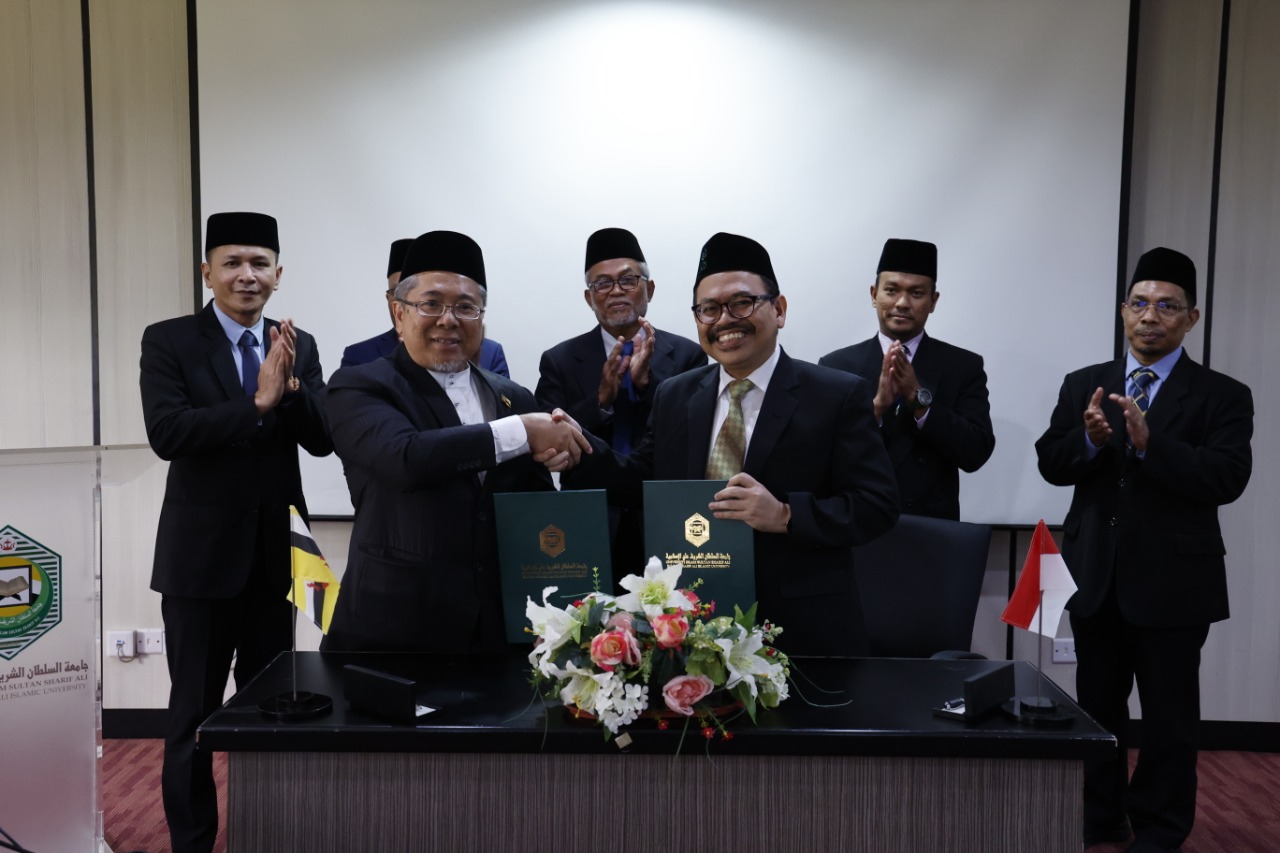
[1163,308]
[739,307]
[434,308]
[625,283]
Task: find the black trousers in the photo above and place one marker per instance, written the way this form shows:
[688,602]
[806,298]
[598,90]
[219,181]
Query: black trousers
[1112,653]
[200,637]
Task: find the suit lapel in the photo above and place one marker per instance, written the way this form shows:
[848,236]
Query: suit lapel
[588,360]
[780,401]
[219,350]
[701,412]
[427,389]
[1168,405]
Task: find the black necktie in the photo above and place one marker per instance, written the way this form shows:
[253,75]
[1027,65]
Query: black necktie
[249,363]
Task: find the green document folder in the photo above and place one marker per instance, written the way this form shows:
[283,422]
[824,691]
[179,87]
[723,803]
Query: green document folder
[550,539]
[678,528]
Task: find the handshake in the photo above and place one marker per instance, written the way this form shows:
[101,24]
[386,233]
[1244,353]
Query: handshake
[555,440]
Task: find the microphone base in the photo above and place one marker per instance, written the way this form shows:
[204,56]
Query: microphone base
[296,706]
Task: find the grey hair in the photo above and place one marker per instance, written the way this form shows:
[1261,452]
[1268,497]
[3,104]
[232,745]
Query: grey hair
[406,284]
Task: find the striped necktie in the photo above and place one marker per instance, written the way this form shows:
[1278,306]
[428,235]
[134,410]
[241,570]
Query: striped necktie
[1140,380]
[731,444]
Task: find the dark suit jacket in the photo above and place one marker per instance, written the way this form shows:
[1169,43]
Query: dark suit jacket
[226,470]
[956,436]
[1151,524]
[422,572]
[569,378]
[814,446]
[492,358]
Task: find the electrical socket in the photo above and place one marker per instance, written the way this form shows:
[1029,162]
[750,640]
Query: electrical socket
[151,641]
[1064,650]
[120,644]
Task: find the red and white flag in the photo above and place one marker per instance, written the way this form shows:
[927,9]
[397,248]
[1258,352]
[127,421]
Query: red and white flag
[1045,584]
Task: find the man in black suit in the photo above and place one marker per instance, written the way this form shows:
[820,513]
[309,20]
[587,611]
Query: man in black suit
[931,397]
[426,440]
[606,378]
[796,442]
[1153,444]
[490,355]
[228,397]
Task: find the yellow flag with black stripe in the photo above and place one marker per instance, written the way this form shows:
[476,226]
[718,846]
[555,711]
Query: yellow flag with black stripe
[315,588]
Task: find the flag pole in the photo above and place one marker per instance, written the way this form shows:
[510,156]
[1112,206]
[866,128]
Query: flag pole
[1040,652]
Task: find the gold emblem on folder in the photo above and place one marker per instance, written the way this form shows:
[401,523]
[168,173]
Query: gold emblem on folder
[551,541]
[697,530]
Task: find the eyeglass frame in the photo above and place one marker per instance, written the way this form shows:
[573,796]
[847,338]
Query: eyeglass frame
[444,306]
[598,287]
[723,307]
[1164,308]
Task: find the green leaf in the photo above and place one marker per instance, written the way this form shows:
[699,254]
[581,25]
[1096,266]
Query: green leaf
[747,620]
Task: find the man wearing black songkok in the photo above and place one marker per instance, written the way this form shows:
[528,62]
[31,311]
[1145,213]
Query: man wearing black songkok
[931,399]
[1153,444]
[805,468]
[426,441]
[606,378]
[228,397]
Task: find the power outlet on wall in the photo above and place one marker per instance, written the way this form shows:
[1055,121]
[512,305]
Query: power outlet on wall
[1064,650]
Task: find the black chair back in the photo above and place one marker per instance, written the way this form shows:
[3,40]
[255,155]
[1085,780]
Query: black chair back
[920,583]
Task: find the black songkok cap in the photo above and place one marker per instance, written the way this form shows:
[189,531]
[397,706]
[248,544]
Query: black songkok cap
[914,257]
[444,251]
[241,229]
[729,252]
[1161,264]
[609,243]
[399,249]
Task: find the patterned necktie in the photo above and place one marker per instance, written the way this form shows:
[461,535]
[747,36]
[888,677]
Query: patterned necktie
[1142,379]
[731,444]
[249,363]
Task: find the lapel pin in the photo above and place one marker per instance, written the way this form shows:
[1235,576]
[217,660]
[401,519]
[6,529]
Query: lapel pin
[505,401]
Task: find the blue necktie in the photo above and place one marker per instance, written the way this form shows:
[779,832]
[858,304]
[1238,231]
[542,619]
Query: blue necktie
[621,439]
[1142,379]
[249,363]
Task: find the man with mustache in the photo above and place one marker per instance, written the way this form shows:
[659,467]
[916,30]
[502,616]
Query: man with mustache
[606,378]
[490,355]
[795,441]
[426,440]
[1153,444]
[931,397]
[228,397]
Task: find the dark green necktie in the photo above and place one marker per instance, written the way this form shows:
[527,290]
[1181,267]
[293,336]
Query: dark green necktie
[731,444]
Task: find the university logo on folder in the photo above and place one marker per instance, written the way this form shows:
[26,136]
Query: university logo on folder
[558,539]
[679,528]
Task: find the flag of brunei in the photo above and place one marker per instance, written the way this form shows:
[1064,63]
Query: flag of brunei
[315,589]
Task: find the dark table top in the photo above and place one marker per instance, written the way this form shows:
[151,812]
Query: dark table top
[839,706]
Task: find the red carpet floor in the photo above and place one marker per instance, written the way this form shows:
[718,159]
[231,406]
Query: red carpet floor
[1238,810]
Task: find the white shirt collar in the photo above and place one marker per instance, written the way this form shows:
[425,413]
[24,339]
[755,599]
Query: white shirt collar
[760,376]
[912,345]
[233,330]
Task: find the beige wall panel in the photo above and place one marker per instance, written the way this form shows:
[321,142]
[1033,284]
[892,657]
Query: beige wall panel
[44,228]
[1241,671]
[1176,96]
[142,156]
[132,490]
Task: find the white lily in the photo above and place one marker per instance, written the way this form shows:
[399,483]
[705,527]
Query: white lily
[657,591]
[741,660]
[552,624]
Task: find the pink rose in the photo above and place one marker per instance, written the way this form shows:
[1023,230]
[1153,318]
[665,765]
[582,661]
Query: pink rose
[669,630]
[693,599]
[610,648]
[685,691]
[622,622]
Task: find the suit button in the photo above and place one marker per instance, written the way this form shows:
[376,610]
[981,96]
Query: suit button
[1121,482]
[922,461]
[482,516]
[908,503]
[1112,522]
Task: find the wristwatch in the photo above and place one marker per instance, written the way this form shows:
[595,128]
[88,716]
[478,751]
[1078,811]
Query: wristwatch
[923,399]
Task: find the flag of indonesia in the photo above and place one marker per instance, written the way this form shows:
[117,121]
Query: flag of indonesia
[1043,589]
